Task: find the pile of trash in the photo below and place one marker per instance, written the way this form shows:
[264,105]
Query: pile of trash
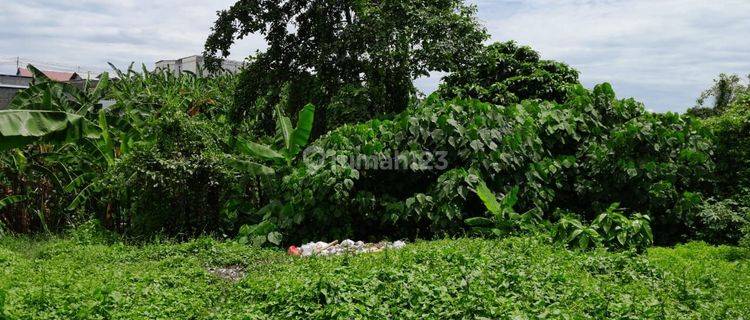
[347,246]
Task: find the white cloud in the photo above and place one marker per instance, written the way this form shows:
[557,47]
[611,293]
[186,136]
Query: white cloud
[91,33]
[661,52]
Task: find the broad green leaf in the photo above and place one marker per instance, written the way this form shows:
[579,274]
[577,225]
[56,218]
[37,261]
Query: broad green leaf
[275,237]
[108,146]
[9,200]
[82,196]
[20,161]
[510,199]
[78,181]
[245,231]
[301,133]
[252,168]
[258,240]
[649,233]
[284,127]
[263,228]
[583,242]
[119,73]
[258,150]
[575,234]
[38,74]
[488,198]
[621,237]
[22,127]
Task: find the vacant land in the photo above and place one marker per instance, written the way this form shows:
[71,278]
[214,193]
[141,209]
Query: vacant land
[464,278]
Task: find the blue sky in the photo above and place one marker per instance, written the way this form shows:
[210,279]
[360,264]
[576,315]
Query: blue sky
[662,52]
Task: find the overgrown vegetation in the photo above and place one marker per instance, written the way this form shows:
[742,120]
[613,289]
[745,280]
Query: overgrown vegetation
[164,160]
[323,136]
[441,279]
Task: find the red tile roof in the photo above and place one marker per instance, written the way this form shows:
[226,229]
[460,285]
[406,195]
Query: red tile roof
[54,75]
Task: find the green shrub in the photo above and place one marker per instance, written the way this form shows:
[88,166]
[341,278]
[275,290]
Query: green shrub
[610,229]
[503,219]
[176,180]
[731,134]
[721,221]
[532,145]
[648,164]
[592,147]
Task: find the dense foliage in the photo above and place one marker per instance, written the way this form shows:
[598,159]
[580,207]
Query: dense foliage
[592,147]
[510,144]
[161,132]
[449,279]
[330,52]
[323,137]
[506,73]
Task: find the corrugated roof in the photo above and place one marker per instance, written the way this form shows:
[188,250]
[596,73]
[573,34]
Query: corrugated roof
[54,75]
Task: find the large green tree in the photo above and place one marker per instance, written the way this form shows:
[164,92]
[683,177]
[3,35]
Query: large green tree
[321,51]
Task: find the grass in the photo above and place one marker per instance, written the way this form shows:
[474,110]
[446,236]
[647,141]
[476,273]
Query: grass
[448,279]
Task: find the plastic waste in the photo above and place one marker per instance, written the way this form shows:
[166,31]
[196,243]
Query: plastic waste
[347,246]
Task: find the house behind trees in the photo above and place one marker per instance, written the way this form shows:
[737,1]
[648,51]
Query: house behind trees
[195,63]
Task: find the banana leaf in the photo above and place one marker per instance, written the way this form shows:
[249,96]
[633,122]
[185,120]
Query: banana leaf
[22,127]
[301,133]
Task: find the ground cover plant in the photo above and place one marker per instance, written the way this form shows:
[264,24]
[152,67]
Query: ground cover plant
[83,278]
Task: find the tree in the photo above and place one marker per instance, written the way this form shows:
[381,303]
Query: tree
[321,49]
[504,73]
[724,92]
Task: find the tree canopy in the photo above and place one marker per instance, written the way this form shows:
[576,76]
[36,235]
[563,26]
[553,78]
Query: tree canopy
[505,73]
[320,49]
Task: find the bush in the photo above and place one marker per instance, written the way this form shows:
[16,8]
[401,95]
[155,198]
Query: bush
[532,145]
[731,134]
[721,221]
[592,147]
[648,164]
[176,180]
[611,229]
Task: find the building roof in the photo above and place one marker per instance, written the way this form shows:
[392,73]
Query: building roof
[53,75]
[12,86]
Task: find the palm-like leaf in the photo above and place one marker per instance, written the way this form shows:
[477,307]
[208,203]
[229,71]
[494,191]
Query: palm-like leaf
[22,127]
[301,133]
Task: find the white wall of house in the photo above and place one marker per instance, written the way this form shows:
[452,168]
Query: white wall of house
[193,64]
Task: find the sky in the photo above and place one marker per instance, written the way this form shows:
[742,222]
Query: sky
[661,52]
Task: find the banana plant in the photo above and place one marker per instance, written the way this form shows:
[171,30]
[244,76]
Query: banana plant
[503,218]
[50,112]
[52,115]
[294,138]
[30,178]
[19,128]
[619,231]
